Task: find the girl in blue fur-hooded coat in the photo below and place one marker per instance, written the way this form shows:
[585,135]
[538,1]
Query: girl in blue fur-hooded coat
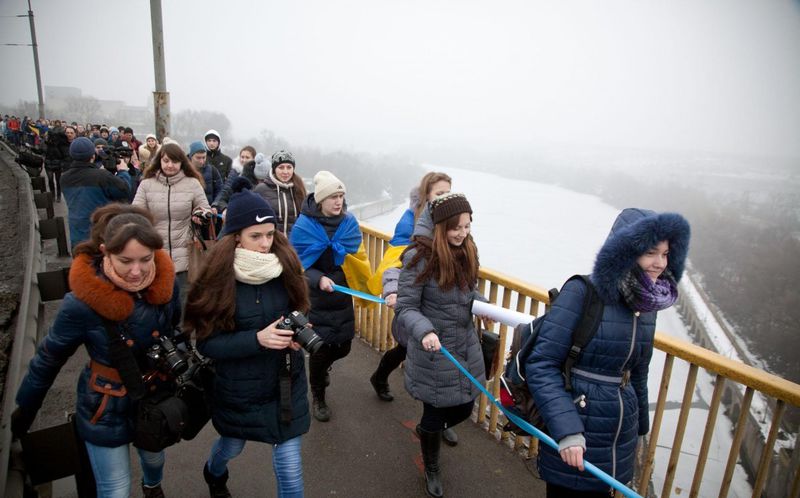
[635,274]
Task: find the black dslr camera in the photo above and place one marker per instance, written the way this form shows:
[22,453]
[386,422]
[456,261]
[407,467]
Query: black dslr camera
[303,334]
[168,358]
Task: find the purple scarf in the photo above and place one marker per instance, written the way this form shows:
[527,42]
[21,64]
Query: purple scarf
[642,294]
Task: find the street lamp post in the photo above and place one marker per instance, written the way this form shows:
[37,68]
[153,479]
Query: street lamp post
[160,95]
[36,61]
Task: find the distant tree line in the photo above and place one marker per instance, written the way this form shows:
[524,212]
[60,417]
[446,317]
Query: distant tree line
[366,176]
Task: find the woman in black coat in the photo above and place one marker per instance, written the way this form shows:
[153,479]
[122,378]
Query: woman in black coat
[328,241]
[251,281]
[57,157]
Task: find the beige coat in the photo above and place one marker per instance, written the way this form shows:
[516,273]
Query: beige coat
[172,200]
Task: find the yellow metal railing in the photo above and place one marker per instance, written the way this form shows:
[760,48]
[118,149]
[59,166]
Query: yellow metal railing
[373,327]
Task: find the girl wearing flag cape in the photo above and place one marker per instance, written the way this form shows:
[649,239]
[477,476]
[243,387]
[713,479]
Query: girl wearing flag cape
[328,240]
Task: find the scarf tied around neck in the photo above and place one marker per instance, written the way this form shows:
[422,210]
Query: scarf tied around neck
[640,293]
[255,268]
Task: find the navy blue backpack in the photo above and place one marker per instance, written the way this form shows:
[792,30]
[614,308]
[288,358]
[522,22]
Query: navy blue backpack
[514,392]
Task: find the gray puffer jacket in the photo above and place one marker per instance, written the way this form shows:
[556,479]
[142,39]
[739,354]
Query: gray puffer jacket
[423,308]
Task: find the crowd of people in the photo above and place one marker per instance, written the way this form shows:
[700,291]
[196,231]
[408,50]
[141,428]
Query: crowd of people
[135,210]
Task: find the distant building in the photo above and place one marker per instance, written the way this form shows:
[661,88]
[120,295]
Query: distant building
[65,102]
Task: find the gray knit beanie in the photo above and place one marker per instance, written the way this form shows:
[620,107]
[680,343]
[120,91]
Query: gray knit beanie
[261,170]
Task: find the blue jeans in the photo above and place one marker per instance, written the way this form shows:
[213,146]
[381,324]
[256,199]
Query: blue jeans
[286,463]
[112,469]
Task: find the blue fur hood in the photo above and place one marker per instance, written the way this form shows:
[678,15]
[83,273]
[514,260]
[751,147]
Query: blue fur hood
[634,232]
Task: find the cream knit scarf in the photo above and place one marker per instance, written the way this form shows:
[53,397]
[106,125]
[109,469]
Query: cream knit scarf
[255,268]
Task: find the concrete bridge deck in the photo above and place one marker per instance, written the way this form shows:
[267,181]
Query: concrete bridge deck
[368,449]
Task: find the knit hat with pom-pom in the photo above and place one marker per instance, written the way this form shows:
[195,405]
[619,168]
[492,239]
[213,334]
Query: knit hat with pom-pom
[261,169]
[245,208]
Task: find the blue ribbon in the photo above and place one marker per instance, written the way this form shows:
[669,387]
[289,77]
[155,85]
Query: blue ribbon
[541,435]
[523,424]
[359,294]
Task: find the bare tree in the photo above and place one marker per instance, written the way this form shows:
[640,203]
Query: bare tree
[191,125]
[82,109]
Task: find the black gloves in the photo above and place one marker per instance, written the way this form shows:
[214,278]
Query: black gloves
[21,421]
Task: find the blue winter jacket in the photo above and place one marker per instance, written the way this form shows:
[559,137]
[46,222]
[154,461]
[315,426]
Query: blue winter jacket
[609,414]
[104,413]
[213,182]
[86,188]
[247,396]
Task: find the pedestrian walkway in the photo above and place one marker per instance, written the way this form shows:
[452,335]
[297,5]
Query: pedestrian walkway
[368,449]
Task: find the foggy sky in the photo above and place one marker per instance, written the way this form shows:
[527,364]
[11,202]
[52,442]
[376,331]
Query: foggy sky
[709,75]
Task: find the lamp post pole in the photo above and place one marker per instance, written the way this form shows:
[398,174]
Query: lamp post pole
[36,61]
[160,95]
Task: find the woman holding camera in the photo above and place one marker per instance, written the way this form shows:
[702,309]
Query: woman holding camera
[172,190]
[251,280]
[120,279]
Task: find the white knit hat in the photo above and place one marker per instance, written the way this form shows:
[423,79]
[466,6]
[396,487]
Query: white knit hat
[325,185]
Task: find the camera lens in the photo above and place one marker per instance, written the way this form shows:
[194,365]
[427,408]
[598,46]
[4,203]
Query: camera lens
[309,339]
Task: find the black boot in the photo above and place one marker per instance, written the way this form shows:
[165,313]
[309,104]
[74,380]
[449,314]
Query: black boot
[431,442]
[217,487]
[319,408]
[154,492]
[450,437]
[380,383]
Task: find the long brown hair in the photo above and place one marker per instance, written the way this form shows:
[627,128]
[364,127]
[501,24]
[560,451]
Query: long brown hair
[299,192]
[175,153]
[211,301]
[425,186]
[449,265]
[114,225]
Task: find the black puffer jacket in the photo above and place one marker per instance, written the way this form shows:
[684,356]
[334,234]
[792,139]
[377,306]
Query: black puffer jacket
[247,400]
[57,150]
[220,161]
[331,312]
[221,202]
[284,199]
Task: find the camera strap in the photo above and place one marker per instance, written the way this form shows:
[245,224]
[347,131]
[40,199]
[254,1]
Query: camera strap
[286,389]
[122,359]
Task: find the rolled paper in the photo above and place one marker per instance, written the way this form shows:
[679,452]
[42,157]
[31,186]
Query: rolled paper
[500,314]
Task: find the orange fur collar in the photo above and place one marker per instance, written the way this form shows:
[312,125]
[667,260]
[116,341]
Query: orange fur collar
[108,300]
